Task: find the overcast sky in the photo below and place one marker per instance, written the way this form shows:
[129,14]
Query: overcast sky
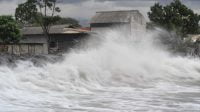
[83,10]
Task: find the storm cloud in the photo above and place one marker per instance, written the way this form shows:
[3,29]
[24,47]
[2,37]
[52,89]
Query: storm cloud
[83,10]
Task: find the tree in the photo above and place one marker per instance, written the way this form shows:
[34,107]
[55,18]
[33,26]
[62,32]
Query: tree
[9,31]
[175,16]
[70,21]
[73,22]
[40,11]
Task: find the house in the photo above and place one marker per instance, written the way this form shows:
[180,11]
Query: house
[132,20]
[34,42]
[193,37]
[193,44]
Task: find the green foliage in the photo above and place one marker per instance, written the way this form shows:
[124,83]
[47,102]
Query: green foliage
[70,21]
[9,31]
[40,12]
[150,25]
[48,20]
[175,16]
[58,21]
[26,12]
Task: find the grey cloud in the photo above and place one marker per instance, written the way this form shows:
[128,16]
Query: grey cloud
[85,9]
[135,4]
[6,0]
[72,1]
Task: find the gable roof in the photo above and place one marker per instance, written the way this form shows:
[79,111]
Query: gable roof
[123,16]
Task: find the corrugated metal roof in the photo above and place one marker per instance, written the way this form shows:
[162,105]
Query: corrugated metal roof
[57,29]
[114,16]
[74,30]
[33,40]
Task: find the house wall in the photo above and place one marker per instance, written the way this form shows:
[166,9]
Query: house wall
[138,25]
[98,27]
[32,44]
[24,49]
[135,25]
[64,42]
[37,44]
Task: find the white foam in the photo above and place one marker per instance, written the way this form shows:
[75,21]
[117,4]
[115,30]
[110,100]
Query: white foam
[119,74]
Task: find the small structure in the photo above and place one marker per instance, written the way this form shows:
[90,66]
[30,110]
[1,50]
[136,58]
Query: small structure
[194,42]
[133,20]
[29,45]
[193,37]
[34,42]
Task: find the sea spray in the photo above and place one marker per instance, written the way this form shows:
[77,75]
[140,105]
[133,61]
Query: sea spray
[121,73]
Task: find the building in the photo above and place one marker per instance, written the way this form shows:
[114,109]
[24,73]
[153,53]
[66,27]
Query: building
[34,42]
[193,44]
[132,20]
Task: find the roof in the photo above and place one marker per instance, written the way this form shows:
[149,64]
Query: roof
[194,37]
[114,16]
[57,29]
[33,40]
[75,31]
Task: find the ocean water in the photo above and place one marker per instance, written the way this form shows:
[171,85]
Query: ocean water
[112,72]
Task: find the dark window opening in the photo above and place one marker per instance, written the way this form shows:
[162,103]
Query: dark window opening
[52,45]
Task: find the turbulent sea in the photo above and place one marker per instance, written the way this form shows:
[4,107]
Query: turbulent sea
[112,72]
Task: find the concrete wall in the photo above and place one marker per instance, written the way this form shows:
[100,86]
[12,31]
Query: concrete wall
[136,25]
[133,27]
[102,27]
